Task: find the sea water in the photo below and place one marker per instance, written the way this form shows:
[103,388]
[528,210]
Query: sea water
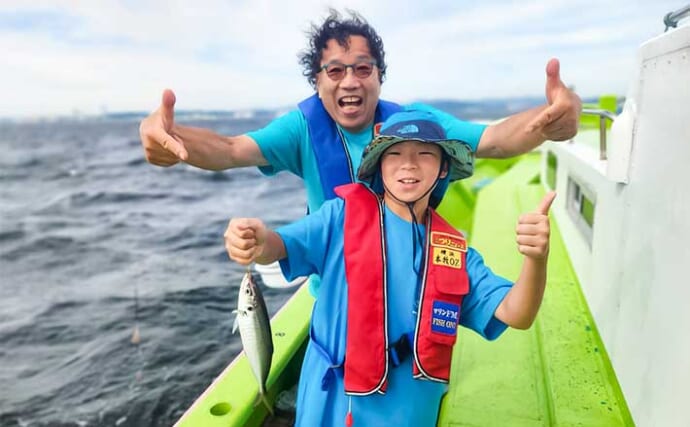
[95,241]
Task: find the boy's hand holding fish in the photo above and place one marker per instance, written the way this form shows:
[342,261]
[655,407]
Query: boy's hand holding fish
[248,240]
[245,241]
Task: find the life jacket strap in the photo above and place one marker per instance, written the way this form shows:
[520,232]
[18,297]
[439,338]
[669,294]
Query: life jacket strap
[334,367]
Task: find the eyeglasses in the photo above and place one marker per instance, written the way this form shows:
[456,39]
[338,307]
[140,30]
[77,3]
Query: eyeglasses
[336,70]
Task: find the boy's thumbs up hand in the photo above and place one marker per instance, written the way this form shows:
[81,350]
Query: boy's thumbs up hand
[545,203]
[533,230]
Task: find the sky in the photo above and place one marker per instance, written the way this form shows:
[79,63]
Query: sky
[93,56]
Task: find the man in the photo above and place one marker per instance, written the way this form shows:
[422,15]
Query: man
[322,142]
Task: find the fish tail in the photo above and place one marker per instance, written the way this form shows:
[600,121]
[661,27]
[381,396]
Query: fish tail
[266,403]
[261,397]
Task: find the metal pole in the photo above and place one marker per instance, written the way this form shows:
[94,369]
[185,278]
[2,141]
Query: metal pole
[672,18]
[603,116]
[602,138]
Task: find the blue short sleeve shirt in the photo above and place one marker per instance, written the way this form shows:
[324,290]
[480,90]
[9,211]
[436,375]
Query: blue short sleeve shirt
[315,244]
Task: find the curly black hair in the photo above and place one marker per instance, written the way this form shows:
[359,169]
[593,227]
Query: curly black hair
[339,29]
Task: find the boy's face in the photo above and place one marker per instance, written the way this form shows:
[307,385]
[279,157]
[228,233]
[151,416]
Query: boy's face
[409,169]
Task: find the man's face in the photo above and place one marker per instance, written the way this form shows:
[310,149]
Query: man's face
[350,101]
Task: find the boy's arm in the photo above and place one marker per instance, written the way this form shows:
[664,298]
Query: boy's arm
[520,306]
[248,240]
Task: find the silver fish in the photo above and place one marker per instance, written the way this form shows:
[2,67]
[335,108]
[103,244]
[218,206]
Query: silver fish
[255,331]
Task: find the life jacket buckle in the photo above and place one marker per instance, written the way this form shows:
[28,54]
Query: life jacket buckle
[400,350]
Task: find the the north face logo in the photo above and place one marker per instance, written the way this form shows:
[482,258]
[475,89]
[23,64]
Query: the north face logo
[408,129]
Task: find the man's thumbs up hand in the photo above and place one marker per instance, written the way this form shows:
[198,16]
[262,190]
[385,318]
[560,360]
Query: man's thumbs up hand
[161,147]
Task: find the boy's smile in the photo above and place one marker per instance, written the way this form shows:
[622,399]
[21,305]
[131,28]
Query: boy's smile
[408,184]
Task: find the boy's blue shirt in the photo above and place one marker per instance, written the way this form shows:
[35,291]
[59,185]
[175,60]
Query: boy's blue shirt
[314,244]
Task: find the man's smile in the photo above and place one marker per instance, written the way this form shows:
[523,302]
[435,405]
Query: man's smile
[350,101]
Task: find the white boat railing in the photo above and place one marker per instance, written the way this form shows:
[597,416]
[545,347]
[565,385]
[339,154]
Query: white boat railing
[603,116]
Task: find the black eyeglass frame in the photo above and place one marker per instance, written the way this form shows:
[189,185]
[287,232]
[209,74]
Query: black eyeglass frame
[371,62]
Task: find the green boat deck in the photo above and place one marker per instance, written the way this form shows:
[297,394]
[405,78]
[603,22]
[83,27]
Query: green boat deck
[557,373]
[231,399]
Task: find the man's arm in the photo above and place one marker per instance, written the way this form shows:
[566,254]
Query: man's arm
[558,120]
[521,304]
[166,143]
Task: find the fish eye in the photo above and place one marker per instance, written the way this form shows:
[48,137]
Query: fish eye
[250,308]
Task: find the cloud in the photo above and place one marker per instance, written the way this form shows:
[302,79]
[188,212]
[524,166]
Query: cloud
[62,56]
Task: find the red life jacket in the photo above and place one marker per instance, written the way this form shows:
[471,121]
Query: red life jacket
[444,282]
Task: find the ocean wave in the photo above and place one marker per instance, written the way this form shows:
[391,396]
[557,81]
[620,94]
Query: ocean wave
[94,241]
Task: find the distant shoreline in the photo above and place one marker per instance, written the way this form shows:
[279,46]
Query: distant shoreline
[488,109]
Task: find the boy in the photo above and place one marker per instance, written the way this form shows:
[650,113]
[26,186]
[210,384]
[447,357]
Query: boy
[400,279]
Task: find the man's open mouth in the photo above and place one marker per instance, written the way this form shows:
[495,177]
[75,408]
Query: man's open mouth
[350,101]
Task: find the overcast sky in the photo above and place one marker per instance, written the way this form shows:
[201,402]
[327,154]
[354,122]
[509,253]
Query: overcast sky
[60,57]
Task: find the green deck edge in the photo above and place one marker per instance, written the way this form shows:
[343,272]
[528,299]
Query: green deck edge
[229,401]
[457,206]
[557,373]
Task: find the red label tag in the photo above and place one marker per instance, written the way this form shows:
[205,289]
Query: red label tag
[449,241]
[377,129]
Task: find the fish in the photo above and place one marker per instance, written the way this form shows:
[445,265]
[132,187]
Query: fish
[255,331]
